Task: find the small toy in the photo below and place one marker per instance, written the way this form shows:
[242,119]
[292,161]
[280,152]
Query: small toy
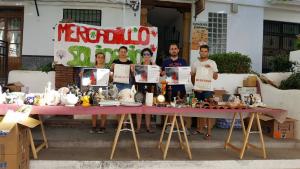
[85,101]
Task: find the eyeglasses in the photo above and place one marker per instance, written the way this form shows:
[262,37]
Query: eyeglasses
[146,54]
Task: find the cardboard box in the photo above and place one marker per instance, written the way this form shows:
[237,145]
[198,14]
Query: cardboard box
[18,161]
[218,94]
[278,130]
[14,137]
[14,142]
[250,81]
[15,87]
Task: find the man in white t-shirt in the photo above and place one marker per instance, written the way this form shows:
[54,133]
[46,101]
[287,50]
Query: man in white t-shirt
[201,95]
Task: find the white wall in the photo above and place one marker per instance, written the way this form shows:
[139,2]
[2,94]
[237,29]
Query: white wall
[282,15]
[34,81]
[245,34]
[38,30]
[244,30]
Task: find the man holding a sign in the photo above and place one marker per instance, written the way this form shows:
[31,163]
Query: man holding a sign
[173,61]
[204,71]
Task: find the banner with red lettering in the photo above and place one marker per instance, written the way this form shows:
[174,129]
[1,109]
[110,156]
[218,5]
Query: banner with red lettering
[76,44]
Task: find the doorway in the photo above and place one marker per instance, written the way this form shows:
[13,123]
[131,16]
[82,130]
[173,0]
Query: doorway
[11,32]
[173,26]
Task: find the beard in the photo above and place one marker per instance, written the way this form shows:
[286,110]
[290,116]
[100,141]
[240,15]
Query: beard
[174,55]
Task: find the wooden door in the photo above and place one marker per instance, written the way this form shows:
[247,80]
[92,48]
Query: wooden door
[11,31]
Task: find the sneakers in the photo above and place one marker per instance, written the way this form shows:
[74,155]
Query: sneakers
[93,130]
[101,130]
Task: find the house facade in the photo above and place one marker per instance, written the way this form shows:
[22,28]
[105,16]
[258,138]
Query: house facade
[257,28]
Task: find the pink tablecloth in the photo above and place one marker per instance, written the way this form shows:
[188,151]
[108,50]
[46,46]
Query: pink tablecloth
[278,114]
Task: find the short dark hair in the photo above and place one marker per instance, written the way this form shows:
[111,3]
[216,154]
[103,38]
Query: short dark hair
[123,47]
[173,43]
[99,53]
[205,47]
[146,50]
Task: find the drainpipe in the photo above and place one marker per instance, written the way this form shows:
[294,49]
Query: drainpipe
[124,12]
[37,9]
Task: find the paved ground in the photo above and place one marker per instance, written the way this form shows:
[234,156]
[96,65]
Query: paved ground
[154,154]
[72,146]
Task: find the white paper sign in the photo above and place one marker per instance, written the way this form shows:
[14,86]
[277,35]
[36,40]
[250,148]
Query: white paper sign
[178,75]
[147,73]
[203,79]
[95,77]
[149,99]
[121,73]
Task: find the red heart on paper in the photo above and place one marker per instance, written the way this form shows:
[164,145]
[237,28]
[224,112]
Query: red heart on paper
[153,48]
[154,33]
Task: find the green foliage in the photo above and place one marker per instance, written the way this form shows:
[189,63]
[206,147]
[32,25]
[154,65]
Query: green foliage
[297,44]
[232,62]
[281,63]
[46,68]
[293,82]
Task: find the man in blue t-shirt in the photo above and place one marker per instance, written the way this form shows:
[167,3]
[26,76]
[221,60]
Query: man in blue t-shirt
[174,61]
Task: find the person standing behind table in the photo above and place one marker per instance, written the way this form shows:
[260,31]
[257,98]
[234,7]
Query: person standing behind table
[146,54]
[123,59]
[173,61]
[204,61]
[99,63]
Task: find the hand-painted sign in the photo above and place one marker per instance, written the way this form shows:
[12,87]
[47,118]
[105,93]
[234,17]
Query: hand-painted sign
[76,44]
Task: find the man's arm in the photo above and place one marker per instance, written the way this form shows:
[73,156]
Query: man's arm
[193,77]
[215,75]
[162,72]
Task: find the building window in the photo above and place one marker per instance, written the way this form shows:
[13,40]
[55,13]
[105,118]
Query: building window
[85,16]
[217,32]
[279,39]
[11,30]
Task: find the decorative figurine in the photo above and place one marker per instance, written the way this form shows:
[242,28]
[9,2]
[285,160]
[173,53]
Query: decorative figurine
[85,101]
[163,87]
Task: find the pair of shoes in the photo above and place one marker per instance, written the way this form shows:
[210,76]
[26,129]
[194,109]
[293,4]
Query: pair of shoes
[93,130]
[197,132]
[101,130]
[150,131]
